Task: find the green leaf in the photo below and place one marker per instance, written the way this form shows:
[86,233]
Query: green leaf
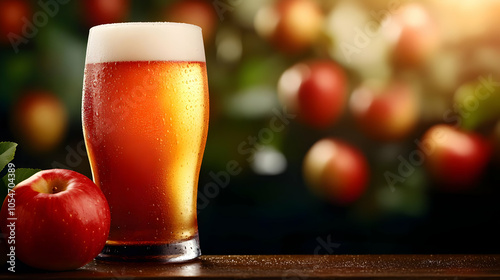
[20,174]
[7,151]
[478,105]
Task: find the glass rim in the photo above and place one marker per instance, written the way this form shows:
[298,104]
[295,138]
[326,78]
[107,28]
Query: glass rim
[130,23]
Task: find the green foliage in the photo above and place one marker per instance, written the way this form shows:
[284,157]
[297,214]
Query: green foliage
[477,103]
[7,151]
[14,175]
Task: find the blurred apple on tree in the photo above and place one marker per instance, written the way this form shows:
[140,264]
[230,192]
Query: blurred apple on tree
[290,25]
[316,90]
[496,142]
[12,13]
[197,12]
[416,35]
[40,120]
[105,11]
[336,170]
[385,112]
[456,159]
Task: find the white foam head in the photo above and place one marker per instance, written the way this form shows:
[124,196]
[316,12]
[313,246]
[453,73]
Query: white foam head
[145,41]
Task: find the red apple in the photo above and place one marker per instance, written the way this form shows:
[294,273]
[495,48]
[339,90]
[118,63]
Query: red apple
[495,139]
[316,90]
[105,11]
[455,159]
[416,35]
[197,12]
[385,112]
[291,25]
[336,170]
[40,120]
[12,13]
[62,220]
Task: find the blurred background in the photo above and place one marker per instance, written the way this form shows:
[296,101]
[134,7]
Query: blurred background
[336,126]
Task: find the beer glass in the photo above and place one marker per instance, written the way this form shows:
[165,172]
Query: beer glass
[145,121]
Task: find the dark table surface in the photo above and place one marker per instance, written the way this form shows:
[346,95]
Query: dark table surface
[287,267]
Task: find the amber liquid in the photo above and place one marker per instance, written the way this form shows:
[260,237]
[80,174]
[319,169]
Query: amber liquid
[145,126]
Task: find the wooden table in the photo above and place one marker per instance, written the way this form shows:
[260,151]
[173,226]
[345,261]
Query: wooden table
[283,267]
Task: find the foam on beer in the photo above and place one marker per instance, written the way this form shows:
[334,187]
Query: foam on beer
[145,41]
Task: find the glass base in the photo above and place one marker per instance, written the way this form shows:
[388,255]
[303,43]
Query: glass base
[167,253]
